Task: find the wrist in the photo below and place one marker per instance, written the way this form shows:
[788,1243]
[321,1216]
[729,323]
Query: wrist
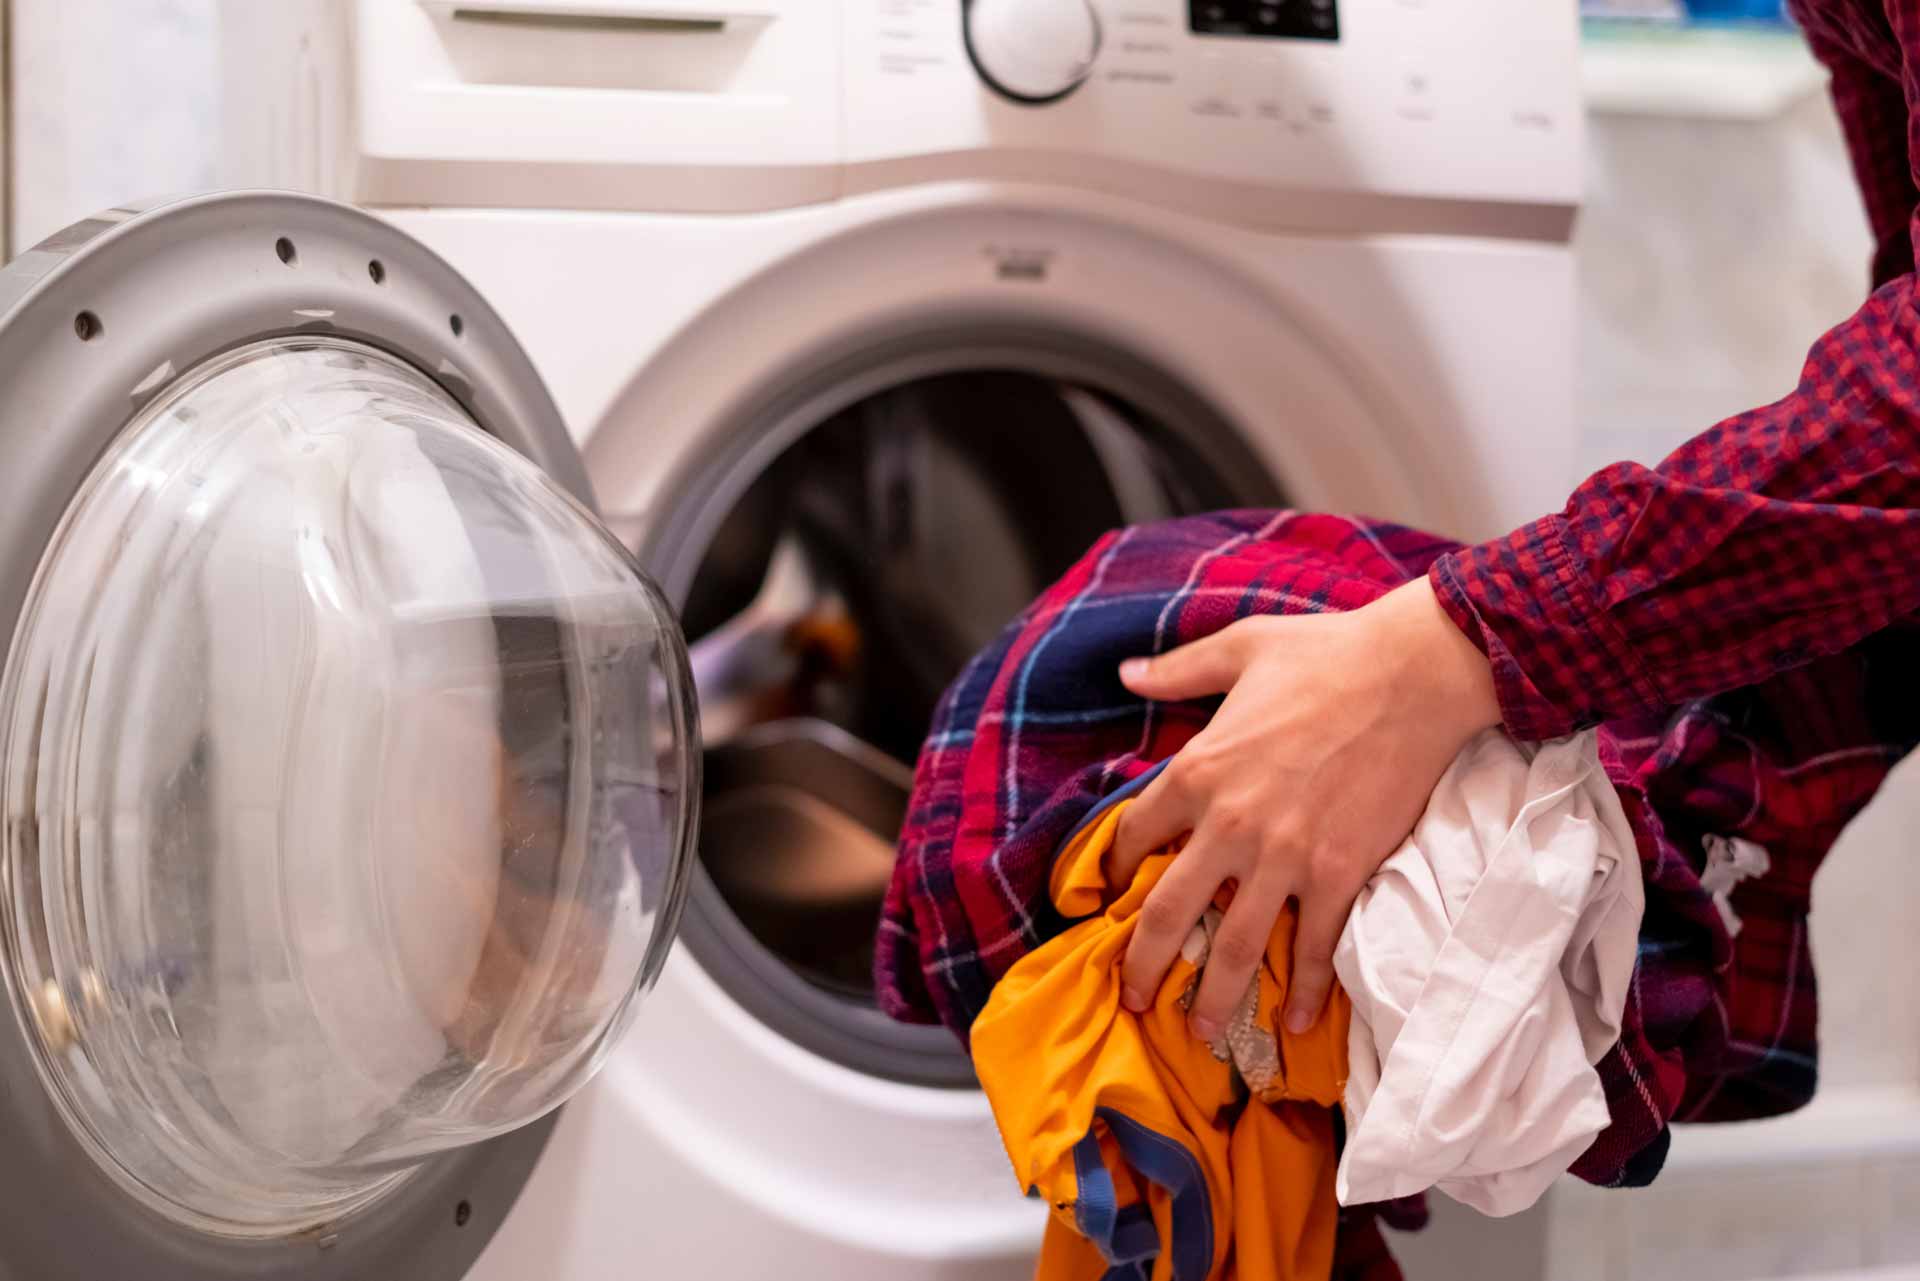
[1451,677]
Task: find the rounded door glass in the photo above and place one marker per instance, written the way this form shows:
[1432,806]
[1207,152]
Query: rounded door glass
[349,783]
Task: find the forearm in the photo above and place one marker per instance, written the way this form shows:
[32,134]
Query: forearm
[1778,536]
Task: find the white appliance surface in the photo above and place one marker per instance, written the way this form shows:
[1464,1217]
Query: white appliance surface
[1355,249]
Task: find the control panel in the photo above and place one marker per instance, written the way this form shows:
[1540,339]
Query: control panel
[1247,109]
[1428,113]
[1275,19]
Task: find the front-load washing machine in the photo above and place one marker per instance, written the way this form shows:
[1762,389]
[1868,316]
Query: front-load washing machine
[865,317]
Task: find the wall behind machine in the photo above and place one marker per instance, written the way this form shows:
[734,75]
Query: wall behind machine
[112,100]
[1712,252]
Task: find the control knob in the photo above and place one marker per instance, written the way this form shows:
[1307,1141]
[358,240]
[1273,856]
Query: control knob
[1033,51]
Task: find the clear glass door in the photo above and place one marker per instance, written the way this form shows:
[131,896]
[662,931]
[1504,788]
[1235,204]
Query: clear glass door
[349,786]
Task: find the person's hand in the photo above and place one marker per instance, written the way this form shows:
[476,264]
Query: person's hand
[1318,763]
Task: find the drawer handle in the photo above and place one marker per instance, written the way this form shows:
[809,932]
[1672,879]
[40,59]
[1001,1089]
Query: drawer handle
[664,16]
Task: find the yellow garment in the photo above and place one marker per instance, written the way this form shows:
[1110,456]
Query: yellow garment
[1162,1157]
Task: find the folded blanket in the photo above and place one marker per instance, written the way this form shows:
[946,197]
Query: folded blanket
[1038,730]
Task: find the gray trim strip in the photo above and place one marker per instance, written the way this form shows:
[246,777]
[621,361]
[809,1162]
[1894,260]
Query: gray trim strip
[557,184]
[1255,206]
[721,189]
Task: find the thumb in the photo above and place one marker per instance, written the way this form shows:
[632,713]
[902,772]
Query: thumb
[1207,666]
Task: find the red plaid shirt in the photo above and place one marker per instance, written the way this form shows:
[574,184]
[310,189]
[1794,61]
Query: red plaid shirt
[1780,535]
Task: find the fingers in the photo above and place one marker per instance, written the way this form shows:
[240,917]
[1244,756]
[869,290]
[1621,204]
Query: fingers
[1156,818]
[1323,914]
[1239,947]
[1172,909]
[1207,666]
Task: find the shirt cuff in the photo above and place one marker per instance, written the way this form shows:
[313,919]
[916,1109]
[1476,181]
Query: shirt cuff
[1529,604]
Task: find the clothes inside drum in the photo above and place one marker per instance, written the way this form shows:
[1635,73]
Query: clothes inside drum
[843,592]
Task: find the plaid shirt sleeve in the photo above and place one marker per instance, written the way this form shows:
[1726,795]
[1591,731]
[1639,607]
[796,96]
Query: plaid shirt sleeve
[1782,534]
[1863,58]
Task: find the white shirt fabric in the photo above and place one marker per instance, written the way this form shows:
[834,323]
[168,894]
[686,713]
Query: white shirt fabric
[1488,962]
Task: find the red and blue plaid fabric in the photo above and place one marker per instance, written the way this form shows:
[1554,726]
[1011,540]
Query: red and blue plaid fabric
[1038,729]
[1781,534]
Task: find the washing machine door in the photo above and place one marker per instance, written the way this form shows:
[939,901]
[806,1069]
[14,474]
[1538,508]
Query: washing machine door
[345,759]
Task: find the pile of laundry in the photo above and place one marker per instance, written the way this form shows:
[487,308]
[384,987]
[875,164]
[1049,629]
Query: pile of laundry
[1580,943]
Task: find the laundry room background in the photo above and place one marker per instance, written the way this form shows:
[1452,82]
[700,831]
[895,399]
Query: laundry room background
[1721,233]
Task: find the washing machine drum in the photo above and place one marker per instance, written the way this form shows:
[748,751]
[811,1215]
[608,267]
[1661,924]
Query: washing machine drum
[346,759]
